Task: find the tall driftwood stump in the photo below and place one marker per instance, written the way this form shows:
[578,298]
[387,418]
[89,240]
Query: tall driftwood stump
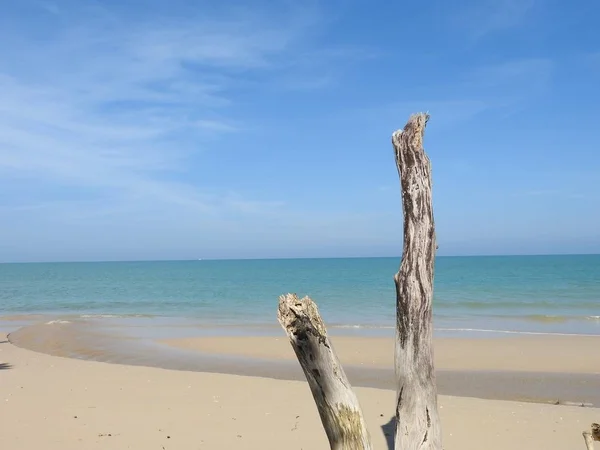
[417,419]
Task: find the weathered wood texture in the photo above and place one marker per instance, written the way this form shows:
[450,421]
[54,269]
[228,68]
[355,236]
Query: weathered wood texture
[338,406]
[592,435]
[417,417]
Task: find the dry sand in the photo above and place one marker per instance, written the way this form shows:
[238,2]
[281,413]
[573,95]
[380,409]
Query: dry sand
[556,354]
[62,404]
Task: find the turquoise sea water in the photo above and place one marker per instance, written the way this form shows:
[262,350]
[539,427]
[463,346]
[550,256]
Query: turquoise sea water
[539,294]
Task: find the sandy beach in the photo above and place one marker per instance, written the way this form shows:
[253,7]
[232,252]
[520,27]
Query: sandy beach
[555,354]
[60,403]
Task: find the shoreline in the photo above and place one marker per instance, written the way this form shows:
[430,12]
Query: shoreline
[444,326]
[111,406]
[530,369]
[549,354]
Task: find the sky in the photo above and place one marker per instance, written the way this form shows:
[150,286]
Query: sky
[133,130]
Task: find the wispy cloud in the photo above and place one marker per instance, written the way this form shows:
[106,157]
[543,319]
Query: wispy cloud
[477,90]
[542,192]
[593,60]
[50,7]
[555,193]
[118,105]
[215,125]
[482,17]
[520,73]
[448,113]
[509,85]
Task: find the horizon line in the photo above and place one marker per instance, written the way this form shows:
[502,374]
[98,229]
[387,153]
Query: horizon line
[289,258]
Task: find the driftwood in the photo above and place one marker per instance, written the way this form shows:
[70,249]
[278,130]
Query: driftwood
[417,418]
[337,404]
[592,435]
[416,412]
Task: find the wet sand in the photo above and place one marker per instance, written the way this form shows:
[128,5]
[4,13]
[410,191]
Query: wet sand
[554,354]
[68,404]
[558,369]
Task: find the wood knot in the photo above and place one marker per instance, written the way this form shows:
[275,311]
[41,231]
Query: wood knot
[596,431]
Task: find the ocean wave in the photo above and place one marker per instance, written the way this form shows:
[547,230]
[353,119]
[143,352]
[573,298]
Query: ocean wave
[356,326]
[519,305]
[58,321]
[462,330]
[540,333]
[115,316]
[545,318]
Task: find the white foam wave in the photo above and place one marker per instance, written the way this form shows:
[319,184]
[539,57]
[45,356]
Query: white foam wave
[52,322]
[113,316]
[470,330]
[541,333]
[98,316]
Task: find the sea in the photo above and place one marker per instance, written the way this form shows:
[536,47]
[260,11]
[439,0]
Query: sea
[479,295]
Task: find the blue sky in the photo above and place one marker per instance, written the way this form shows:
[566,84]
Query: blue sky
[192,129]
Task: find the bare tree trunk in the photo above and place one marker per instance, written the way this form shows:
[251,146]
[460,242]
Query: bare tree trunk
[337,404]
[418,423]
[591,436]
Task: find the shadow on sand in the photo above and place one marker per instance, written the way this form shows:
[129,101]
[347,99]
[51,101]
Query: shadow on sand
[388,431]
[4,366]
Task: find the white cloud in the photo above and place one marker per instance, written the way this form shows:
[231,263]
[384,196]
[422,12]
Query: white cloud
[476,90]
[556,193]
[389,117]
[118,105]
[592,60]
[483,17]
[521,73]
[106,117]
[215,125]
